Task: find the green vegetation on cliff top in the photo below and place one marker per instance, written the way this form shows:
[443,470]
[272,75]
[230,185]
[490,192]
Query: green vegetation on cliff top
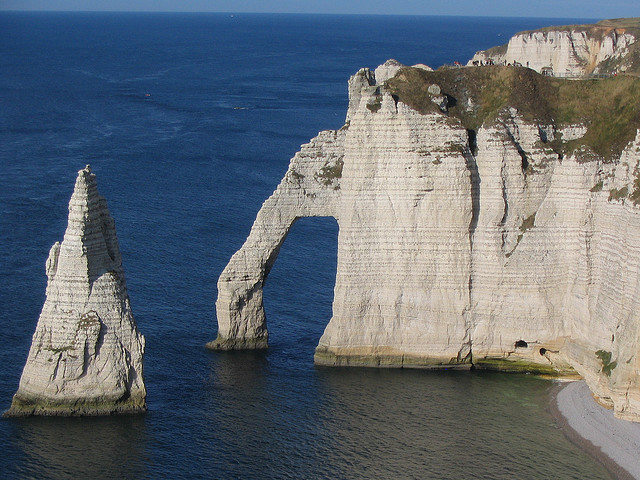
[609,108]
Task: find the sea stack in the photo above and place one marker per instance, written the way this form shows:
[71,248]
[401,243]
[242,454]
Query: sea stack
[86,354]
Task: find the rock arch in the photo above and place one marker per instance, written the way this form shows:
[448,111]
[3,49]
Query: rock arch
[449,250]
[310,188]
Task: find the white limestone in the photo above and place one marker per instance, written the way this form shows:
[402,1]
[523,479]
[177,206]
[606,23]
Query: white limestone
[453,251]
[311,187]
[572,132]
[387,70]
[564,52]
[86,354]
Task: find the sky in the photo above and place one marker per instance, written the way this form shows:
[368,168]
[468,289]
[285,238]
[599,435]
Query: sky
[507,8]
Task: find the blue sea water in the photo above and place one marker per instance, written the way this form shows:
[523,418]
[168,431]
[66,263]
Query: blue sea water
[189,121]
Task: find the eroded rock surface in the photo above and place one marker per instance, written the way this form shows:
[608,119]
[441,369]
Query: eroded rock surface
[311,187]
[495,244]
[86,354]
[573,50]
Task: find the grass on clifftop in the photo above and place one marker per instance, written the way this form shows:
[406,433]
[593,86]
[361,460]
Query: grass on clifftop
[609,108]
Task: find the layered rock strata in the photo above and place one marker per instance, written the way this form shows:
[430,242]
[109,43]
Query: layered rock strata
[86,354]
[469,234]
[309,188]
[574,50]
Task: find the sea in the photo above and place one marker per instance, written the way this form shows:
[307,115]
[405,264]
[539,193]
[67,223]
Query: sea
[189,122]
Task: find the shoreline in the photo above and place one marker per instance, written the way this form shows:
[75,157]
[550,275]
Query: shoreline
[613,442]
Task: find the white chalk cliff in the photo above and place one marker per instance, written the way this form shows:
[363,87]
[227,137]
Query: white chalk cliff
[460,247]
[574,50]
[86,354]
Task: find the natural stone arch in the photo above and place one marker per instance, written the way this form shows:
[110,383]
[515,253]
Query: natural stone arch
[453,246]
[310,188]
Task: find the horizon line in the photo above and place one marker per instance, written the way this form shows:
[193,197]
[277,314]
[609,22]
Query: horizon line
[296,13]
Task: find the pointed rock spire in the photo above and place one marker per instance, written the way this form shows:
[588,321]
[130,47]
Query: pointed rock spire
[86,354]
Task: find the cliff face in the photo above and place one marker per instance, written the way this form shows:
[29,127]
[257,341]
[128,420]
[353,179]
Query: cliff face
[86,353]
[575,50]
[474,229]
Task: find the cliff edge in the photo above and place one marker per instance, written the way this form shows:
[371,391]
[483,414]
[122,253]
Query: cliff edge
[86,354]
[488,218]
[605,48]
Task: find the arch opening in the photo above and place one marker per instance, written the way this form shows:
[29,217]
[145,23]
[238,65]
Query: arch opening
[298,294]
